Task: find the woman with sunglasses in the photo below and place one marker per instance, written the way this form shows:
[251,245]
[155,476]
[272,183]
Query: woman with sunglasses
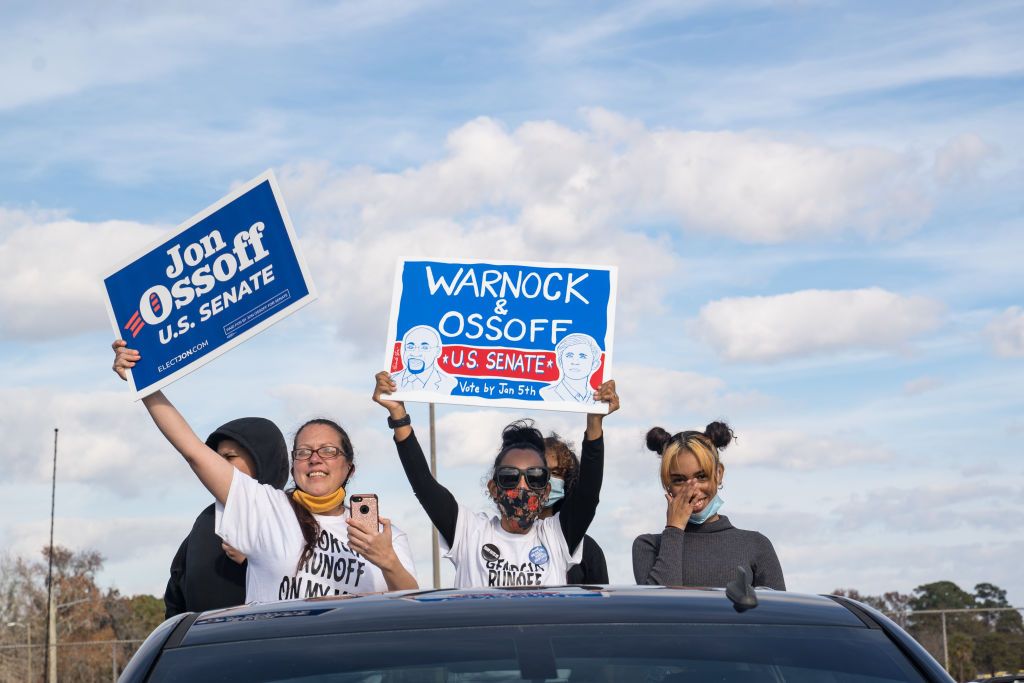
[699,547]
[299,543]
[514,547]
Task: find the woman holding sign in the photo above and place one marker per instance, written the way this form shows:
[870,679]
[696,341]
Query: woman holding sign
[514,547]
[300,543]
[699,547]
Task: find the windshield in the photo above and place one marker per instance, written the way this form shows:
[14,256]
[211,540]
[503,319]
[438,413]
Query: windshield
[665,653]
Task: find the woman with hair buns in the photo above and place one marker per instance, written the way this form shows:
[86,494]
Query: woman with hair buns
[699,547]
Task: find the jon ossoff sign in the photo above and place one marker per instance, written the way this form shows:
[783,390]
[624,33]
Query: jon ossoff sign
[223,276]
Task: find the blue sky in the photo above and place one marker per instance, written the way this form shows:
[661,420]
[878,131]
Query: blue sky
[815,208]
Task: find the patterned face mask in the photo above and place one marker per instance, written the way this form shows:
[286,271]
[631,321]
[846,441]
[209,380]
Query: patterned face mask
[519,506]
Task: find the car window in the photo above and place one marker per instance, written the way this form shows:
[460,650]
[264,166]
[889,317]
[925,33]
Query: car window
[666,653]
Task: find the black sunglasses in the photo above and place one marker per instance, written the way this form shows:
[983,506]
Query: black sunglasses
[508,477]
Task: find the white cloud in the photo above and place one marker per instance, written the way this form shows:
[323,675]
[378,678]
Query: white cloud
[562,184]
[528,193]
[53,53]
[53,268]
[105,440]
[117,539]
[1006,333]
[961,158]
[544,188]
[921,385]
[768,328]
[934,507]
[651,394]
[790,449]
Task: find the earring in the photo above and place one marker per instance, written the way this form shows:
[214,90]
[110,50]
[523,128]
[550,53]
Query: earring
[721,486]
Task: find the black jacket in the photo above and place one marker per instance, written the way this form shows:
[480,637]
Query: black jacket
[593,568]
[202,576]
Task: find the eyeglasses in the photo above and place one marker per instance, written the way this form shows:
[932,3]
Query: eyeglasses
[325,452]
[508,477]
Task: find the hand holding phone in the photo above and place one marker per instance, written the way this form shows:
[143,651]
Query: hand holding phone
[364,511]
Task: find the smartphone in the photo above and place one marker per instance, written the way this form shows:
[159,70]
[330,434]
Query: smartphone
[364,510]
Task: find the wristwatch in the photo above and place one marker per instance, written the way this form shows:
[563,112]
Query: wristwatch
[400,422]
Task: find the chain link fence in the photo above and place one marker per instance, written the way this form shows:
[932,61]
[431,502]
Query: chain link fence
[81,662]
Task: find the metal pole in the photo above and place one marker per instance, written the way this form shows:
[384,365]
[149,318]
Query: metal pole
[50,658]
[435,548]
[945,643]
[51,648]
[113,662]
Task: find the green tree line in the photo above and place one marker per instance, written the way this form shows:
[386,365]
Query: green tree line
[979,643]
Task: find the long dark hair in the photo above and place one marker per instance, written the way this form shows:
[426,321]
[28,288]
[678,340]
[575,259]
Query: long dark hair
[307,522]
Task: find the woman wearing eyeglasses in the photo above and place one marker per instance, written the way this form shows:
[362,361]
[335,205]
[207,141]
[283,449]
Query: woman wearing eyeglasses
[699,547]
[299,543]
[513,547]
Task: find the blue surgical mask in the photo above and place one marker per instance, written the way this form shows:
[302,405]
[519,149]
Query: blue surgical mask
[710,510]
[557,491]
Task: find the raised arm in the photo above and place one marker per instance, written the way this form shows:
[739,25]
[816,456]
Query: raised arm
[437,501]
[213,471]
[581,503]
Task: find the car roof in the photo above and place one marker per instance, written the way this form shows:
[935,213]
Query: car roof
[464,608]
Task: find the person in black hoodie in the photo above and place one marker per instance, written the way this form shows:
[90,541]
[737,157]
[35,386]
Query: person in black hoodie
[203,574]
[565,471]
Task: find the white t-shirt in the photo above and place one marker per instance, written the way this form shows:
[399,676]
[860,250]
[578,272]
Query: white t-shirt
[486,555]
[259,521]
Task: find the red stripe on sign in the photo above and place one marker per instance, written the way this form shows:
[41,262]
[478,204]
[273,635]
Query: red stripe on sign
[396,358]
[472,361]
[598,377]
[133,319]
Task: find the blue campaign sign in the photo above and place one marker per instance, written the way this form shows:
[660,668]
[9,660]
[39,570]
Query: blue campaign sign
[226,274]
[532,335]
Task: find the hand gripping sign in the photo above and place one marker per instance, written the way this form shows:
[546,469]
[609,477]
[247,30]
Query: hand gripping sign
[494,333]
[226,274]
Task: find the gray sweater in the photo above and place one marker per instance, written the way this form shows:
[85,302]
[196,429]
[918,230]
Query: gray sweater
[705,555]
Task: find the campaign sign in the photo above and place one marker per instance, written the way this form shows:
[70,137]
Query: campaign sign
[226,274]
[493,333]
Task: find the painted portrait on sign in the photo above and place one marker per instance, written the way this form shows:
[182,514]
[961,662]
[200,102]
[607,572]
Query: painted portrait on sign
[578,357]
[421,347]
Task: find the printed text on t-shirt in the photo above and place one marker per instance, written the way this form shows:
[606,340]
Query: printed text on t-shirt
[332,561]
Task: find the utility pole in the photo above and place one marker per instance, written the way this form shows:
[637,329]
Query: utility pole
[51,605]
[51,639]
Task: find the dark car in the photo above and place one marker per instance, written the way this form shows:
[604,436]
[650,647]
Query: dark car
[647,634]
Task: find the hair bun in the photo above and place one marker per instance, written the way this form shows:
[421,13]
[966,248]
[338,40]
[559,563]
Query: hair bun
[522,432]
[657,438]
[720,434]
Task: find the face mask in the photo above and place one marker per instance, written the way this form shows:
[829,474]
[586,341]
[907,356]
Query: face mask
[557,491]
[519,506]
[710,510]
